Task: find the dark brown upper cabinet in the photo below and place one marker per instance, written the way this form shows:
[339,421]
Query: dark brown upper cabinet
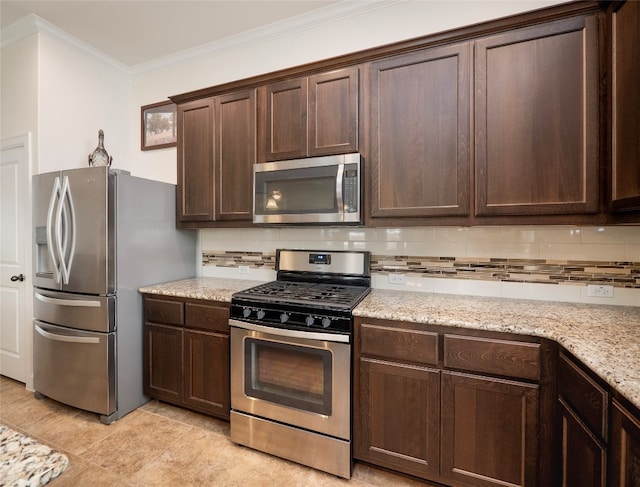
[195,161]
[235,154]
[310,116]
[625,104]
[216,153]
[536,120]
[531,119]
[419,132]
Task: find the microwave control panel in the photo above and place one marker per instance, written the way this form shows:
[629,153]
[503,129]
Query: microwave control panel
[351,189]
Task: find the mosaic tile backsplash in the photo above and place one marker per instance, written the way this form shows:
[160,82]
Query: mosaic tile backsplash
[546,262]
[539,271]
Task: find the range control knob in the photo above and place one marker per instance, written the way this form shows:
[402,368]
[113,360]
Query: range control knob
[260,314]
[326,322]
[309,320]
[284,317]
[246,312]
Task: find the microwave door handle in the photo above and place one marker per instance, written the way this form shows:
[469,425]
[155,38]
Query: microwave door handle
[52,238]
[339,186]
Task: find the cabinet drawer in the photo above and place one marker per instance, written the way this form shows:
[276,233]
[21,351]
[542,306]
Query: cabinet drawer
[207,317]
[585,396]
[402,344]
[161,311]
[492,356]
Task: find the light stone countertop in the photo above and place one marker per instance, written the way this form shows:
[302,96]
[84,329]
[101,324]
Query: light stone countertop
[605,338]
[211,288]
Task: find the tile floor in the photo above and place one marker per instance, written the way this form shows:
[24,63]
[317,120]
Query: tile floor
[160,445]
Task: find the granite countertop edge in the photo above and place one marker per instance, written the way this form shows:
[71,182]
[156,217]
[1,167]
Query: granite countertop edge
[209,288]
[605,338]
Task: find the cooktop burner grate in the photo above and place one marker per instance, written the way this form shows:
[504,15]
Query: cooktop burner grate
[314,294]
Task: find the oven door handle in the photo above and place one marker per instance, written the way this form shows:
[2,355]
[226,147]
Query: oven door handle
[311,335]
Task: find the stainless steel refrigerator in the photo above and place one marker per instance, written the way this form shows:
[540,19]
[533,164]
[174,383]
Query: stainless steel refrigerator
[99,235]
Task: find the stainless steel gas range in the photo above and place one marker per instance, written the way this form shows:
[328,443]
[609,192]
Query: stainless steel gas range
[291,358]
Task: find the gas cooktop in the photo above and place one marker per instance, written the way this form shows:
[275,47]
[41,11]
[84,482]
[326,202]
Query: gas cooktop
[315,289]
[304,293]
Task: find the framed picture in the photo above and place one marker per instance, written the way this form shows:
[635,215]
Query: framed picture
[159,128]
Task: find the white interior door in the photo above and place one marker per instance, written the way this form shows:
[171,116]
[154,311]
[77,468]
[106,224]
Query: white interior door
[15,259]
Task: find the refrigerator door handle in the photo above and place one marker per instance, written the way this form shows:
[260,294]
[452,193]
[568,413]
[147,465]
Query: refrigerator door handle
[64,338]
[51,236]
[67,245]
[68,302]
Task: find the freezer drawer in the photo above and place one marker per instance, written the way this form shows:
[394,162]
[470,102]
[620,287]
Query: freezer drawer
[75,367]
[83,312]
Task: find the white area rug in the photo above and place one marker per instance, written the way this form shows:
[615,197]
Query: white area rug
[24,462]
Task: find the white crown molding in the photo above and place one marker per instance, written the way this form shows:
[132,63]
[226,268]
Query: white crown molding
[19,30]
[33,24]
[326,15]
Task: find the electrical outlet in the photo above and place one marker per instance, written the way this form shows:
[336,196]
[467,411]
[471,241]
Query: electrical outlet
[243,269]
[599,291]
[397,279]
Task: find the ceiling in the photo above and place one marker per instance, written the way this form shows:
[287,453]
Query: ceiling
[137,32]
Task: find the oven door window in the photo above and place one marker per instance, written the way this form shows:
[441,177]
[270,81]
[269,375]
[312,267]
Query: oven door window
[289,375]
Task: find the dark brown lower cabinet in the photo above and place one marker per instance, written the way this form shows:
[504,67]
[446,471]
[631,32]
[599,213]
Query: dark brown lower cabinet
[163,362]
[584,456]
[624,447]
[186,353]
[489,430]
[400,416]
[206,373]
[416,415]
[583,409]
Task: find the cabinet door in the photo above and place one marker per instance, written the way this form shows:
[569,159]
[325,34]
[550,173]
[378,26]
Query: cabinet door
[235,155]
[420,134]
[398,423]
[624,447]
[625,143]
[162,366]
[588,399]
[584,458]
[285,127]
[536,129]
[207,372]
[195,161]
[489,431]
[310,116]
[333,112]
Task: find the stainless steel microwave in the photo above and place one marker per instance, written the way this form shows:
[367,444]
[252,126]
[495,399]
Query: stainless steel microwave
[318,190]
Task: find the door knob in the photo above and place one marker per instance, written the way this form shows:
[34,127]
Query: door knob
[17,278]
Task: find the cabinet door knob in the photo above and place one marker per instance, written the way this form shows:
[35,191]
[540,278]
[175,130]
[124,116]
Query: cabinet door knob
[17,278]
